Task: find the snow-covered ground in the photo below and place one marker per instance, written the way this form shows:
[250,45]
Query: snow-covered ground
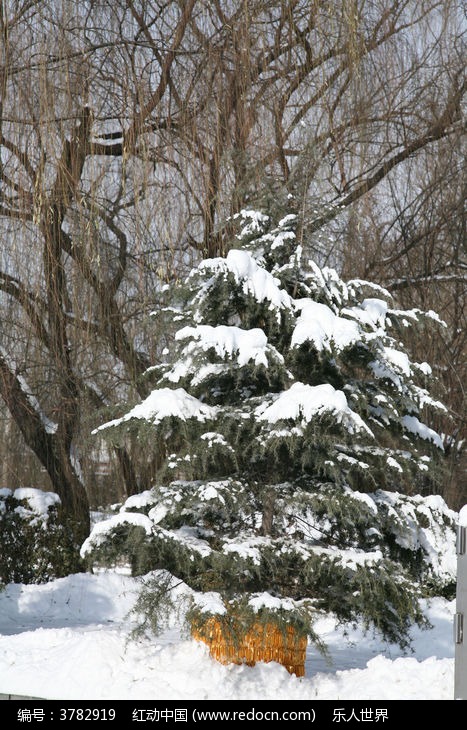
[70,639]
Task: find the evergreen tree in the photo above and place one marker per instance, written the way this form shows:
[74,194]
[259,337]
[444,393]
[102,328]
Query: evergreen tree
[35,545]
[287,419]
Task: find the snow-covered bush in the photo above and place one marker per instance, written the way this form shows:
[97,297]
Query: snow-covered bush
[35,548]
[290,423]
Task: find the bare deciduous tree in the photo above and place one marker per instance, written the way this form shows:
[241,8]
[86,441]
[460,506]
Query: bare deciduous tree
[131,131]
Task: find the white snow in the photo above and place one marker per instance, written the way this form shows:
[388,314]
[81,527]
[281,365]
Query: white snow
[210,602]
[246,547]
[376,309]
[186,535]
[318,323]
[353,461]
[398,359]
[463,516]
[212,437]
[101,528]
[425,399]
[363,284]
[301,402]
[351,558]
[279,237]
[164,402]
[69,639]
[394,464]
[371,312]
[157,514]
[226,340]
[205,371]
[433,535]
[265,600]
[287,219]
[38,501]
[381,369]
[256,281]
[412,424]
[256,221]
[424,367]
[210,492]
[137,501]
[363,497]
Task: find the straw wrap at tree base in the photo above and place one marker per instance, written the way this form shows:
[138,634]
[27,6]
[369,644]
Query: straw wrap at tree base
[259,643]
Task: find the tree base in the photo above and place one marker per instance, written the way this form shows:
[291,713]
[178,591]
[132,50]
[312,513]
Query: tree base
[260,643]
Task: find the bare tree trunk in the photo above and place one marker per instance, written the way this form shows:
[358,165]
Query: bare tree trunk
[51,448]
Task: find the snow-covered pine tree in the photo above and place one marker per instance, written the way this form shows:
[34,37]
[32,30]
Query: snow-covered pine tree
[287,421]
